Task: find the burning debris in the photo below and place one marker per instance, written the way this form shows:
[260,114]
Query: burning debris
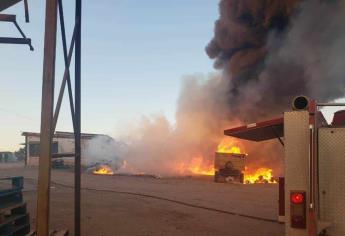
[103,170]
[259,176]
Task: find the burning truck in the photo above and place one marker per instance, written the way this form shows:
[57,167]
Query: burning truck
[229,167]
[232,167]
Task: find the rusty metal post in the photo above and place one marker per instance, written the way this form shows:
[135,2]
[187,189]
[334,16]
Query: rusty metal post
[77,87]
[43,192]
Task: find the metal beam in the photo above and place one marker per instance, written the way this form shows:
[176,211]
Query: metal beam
[7,18]
[331,104]
[23,35]
[15,40]
[59,155]
[26,9]
[24,40]
[64,44]
[66,78]
[43,192]
[77,87]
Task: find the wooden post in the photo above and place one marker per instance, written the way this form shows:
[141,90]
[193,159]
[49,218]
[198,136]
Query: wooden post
[43,192]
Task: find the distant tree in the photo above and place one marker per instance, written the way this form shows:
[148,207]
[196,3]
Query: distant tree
[20,154]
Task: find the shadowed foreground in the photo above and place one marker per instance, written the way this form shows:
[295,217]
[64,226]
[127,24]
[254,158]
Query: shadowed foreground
[128,205]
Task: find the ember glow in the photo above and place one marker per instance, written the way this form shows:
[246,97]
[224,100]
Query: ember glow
[259,176]
[103,170]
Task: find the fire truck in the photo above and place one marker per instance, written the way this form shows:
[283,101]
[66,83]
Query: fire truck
[312,192]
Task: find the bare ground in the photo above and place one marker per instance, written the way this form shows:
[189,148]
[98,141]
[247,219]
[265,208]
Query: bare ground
[129,205]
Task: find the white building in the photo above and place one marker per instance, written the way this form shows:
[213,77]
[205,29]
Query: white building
[63,145]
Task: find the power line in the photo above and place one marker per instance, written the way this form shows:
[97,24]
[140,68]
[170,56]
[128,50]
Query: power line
[13,113]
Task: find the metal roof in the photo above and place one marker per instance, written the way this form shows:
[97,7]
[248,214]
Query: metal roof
[4,4]
[260,131]
[59,134]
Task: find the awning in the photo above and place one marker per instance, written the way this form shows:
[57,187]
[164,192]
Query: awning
[260,131]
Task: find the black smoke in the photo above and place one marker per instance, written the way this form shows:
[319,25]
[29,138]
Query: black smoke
[271,51]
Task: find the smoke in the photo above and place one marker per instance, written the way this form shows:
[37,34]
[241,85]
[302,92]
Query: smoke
[271,51]
[267,52]
[104,149]
[158,147]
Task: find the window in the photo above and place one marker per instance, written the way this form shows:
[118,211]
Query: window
[34,149]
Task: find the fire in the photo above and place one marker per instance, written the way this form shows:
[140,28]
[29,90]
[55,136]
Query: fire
[197,166]
[259,176]
[198,170]
[103,170]
[228,146]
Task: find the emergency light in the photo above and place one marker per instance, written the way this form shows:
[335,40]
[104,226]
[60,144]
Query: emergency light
[298,209]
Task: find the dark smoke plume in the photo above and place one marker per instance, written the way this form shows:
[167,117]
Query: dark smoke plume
[271,51]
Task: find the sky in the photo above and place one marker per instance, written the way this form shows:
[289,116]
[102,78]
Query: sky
[134,56]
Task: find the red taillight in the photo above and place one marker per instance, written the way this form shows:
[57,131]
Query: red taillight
[298,209]
[297,198]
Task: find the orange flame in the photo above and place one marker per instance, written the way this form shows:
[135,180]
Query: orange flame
[197,166]
[259,176]
[103,170]
[198,170]
[228,145]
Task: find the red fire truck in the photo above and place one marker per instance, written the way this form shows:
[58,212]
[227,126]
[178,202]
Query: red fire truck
[312,195]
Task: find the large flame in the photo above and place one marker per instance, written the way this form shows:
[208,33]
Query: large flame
[103,170]
[196,166]
[259,176]
[228,145]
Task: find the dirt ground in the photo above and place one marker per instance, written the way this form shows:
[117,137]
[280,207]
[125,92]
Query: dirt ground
[132,205]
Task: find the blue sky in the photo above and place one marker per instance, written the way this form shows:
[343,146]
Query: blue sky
[135,54]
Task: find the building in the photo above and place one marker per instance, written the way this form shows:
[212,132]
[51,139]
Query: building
[7,157]
[62,146]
